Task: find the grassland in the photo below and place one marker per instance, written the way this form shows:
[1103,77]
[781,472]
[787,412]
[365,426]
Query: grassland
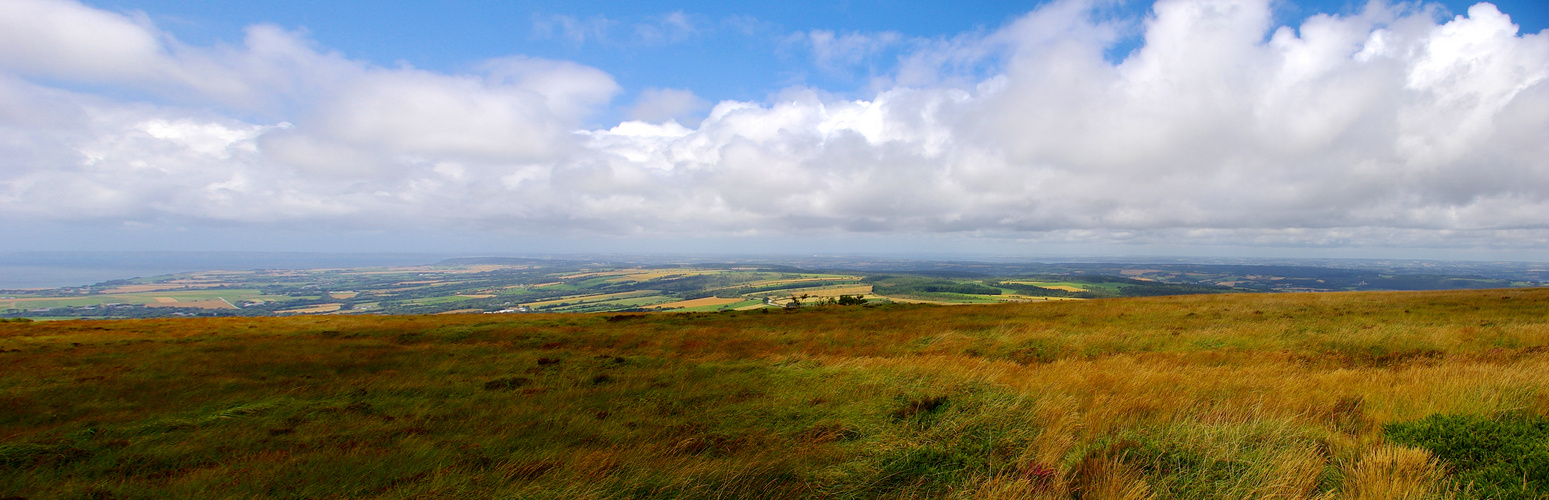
[1207,396]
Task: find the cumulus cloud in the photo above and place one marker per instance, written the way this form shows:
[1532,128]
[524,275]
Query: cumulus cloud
[70,40]
[1384,127]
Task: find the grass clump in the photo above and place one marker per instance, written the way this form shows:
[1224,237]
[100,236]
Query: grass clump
[1499,457]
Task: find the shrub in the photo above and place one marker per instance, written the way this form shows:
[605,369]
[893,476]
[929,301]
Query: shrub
[1503,457]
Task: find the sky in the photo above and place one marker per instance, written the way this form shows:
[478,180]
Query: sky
[1065,127]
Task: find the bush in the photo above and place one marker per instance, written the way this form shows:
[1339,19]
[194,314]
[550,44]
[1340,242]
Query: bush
[1504,457]
[851,300]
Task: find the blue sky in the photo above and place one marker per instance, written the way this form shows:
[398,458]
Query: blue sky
[729,50]
[1181,127]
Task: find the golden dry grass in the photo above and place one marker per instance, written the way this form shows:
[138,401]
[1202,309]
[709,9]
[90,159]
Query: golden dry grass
[1388,472]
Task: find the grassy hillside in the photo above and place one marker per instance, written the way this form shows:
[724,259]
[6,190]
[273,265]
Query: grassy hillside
[1340,395]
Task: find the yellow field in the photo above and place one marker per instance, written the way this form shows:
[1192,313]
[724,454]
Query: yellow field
[164,300]
[312,310]
[707,301]
[1041,284]
[343,295]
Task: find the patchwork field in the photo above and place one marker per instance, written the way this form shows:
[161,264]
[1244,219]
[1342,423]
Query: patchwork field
[592,298]
[519,285]
[1341,395]
[707,301]
[200,304]
[163,297]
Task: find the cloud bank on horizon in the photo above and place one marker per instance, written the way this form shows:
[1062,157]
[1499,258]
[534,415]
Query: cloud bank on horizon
[1388,127]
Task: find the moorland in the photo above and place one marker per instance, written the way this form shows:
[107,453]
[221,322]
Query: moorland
[1357,395]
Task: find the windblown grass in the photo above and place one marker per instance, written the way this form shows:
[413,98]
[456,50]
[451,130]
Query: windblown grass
[1214,396]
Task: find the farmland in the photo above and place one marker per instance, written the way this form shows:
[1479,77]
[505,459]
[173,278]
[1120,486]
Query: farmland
[505,287]
[511,285]
[1333,395]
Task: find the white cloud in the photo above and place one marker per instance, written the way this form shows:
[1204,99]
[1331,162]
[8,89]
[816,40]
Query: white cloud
[573,29]
[660,105]
[65,39]
[1386,127]
[837,52]
[672,27]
